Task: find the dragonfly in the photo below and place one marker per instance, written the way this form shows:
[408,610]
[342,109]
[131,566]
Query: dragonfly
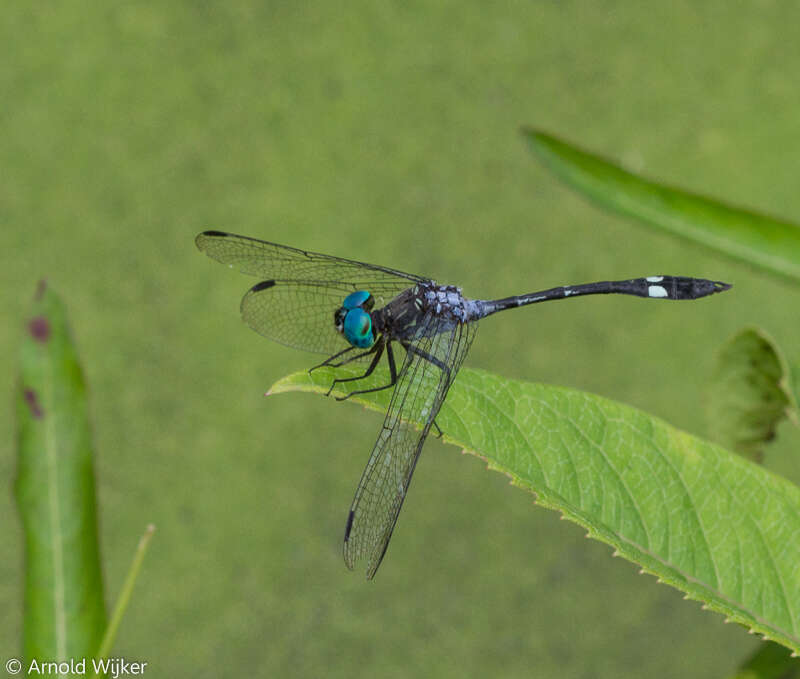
[354,312]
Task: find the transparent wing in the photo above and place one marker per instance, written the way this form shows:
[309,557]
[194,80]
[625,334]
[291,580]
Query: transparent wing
[419,393]
[299,315]
[302,290]
[282,263]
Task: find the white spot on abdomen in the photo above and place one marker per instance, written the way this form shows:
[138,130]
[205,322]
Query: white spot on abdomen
[656,291]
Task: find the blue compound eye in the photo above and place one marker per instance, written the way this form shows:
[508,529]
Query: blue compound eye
[358,328]
[361,299]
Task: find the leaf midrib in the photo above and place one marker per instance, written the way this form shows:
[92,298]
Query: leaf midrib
[56,544]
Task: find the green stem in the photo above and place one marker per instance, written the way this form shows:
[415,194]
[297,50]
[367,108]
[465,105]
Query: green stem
[125,594]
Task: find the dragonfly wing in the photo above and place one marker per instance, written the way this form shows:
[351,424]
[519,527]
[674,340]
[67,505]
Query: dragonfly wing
[420,391]
[299,315]
[283,263]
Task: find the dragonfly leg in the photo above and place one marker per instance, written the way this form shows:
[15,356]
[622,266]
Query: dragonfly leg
[392,373]
[441,433]
[328,361]
[378,350]
[431,359]
[339,364]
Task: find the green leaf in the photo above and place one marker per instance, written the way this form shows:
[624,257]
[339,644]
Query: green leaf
[750,393]
[770,243]
[770,661]
[64,611]
[702,519]
[794,386]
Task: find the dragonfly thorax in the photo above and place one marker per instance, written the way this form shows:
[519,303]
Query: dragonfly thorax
[445,301]
[354,321]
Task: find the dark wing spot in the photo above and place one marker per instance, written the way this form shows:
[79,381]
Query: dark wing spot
[349,525]
[263,285]
[215,233]
[33,403]
[39,327]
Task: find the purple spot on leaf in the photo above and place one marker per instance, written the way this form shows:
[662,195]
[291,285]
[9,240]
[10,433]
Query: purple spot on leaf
[39,328]
[33,403]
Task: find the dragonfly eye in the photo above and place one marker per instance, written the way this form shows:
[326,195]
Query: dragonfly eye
[361,299]
[357,329]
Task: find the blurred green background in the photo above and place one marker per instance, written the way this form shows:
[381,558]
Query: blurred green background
[385,132]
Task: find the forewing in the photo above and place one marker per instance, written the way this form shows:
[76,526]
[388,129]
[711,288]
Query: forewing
[282,263]
[421,388]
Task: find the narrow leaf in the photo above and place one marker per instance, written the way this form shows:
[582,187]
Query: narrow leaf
[64,611]
[706,521]
[768,242]
[750,393]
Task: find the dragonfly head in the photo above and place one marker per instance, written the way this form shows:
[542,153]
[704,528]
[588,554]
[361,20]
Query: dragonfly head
[354,321]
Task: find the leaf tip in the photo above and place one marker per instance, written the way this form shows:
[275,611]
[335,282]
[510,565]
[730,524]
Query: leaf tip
[148,533]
